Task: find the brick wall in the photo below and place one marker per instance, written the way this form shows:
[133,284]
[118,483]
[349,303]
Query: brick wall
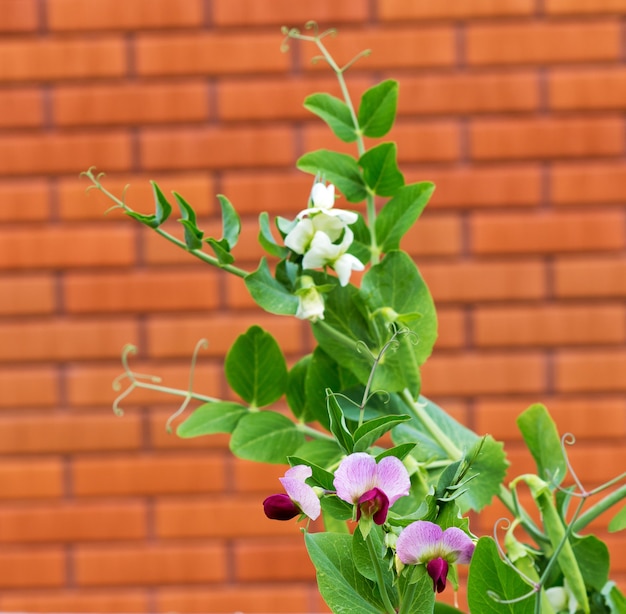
[515,109]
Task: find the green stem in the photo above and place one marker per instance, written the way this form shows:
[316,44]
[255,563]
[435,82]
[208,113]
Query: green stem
[599,508]
[379,576]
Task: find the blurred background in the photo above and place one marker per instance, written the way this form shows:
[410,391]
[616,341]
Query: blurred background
[516,110]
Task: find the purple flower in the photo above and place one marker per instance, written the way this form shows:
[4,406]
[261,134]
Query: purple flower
[372,487]
[300,497]
[426,542]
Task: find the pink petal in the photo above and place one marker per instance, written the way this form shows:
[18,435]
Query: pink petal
[303,495]
[299,472]
[419,542]
[457,543]
[355,475]
[393,478]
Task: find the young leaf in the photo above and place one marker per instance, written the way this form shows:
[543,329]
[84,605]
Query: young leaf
[266,239]
[211,418]
[162,206]
[319,475]
[269,293]
[369,432]
[338,423]
[296,394]
[337,168]
[377,110]
[265,437]
[193,235]
[618,522]
[255,367]
[231,224]
[400,213]
[335,113]
[380,169]
[221,250]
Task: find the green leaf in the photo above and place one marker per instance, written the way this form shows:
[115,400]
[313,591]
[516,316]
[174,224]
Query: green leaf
[400,213]
[163,209]
[338,423]
[266,238]
[488,574]
[380,169]
[592,556]
[377,110]
[337,168]
[211,418]
[335,113]
[399,452]
[193,235]
[618,522]
[322,452]
[269,293]
[221,250]
[342,587]
[543,442]
[444,608]
[255,367]
[231,224]
[296,394]
[363,560]
[320,476]
[265,437]
[423,601]
[372,430]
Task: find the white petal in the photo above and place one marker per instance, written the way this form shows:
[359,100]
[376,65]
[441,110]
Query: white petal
[300,237]
[344,265]
[323,196]
[321,252]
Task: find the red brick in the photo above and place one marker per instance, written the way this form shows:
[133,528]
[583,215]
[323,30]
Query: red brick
[403,47]
[289,560]
[187,148]
[468,93]
[27,295]
[48,59]
[218,517]
[92,385]
[209,54]
[600,88]
[547,233]
[590,277]
[41,433]
[131,103]
[28,387]
[586,417]
[22,108]
[254,477]
[549,325]
[76,203]
[23,200]
[113,14]
[485,281]
[72,522]
[434,235]
[588,183]
[596,464]
[584,7]
[186,289]
[283,598]
[543,42]
[285,12]
[452,328]
[28,154]
[31,479]
[492,373]
[18,15]
[592,370]
[66,247]
[132,475]
[170,337]
[150,565]
[397,10]
[504,139]
[32,567]
[114,601]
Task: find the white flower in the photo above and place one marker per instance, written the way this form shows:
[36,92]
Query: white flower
[323,252]
[299,238]
[323,198]
[310,301]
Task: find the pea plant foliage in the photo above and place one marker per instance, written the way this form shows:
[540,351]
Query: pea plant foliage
[381,478]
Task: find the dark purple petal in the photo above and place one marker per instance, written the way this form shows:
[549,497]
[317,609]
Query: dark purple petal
[280,507]
[373,504]
[438,570]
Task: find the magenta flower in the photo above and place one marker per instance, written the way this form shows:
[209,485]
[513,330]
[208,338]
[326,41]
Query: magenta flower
[372,487]
[426,542]
[300,497]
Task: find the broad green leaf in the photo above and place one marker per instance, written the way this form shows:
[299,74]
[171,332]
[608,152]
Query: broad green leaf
[193,235]
[335,113]
[221,250]
[618,522]
[423,601]
[361,244]
[296,393]
[269,293]
[489,575]
[231,224]
[265,437]
[337,423]
[377,110]
[338,509]
[211,418]
[266,238]
[337,168]
[363,560]
[400,213]
[615,598]
[372,430]
[380,169]
[592,556]
[444,608]
[255,367]
[543,442]
[322,452]
[342,587]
